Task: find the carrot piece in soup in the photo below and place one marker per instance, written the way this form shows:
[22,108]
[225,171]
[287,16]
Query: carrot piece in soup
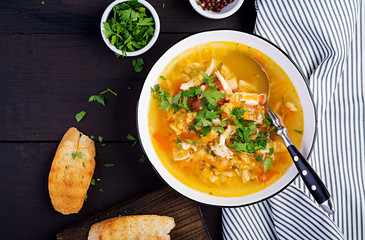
[267,176]
[162,138]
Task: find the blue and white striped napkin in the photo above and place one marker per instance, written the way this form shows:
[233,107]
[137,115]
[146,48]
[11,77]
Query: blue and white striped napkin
[327,41]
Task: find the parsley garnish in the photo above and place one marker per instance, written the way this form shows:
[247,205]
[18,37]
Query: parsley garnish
[163,5]
[259,158]
[86,196]
[108,165]
[80,116]
[138,64]
[142,159]
[101,190]
[92,182]
[267,164]
[162,77]
[100,138]
[100,98]
[77,154]
[219,129]
[212,95]
[130,137]
[92,137]
[129,28]
[298,131]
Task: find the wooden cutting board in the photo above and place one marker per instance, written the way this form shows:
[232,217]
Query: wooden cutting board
[165,201]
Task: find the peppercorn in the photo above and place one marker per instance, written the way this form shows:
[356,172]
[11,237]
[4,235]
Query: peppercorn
[213,5]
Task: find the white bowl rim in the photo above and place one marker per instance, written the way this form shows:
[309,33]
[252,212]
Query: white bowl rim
[229,36]
[216,15]
[156,19]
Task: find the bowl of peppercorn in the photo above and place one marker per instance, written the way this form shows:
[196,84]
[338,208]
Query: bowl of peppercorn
[216,9]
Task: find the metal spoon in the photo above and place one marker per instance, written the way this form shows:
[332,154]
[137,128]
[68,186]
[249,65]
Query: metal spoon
[311,179]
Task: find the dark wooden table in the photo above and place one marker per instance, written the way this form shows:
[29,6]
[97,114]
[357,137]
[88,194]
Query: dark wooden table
[52,59]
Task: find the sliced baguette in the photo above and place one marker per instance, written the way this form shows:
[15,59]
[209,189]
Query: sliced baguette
[139,227]
[70,176]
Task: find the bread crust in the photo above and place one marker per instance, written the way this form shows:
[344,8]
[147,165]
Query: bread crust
[138,227]
[69,178]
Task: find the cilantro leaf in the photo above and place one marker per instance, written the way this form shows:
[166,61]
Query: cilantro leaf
[267,164]
[129,28]
[238,112]
[97,98]
[108,165]
[92,182]
[207,79]
[219,129]
[100,138]
[162,77]
[213,96]
[266,120]
[206,131]
[142,159]
[271,150]
[259,158]
[138,64]
[298,131]
[80,116]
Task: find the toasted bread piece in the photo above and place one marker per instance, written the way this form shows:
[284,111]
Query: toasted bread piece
[139,227]
[70,176]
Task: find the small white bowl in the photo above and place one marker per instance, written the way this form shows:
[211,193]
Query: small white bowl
[225,12]
[277,56]
[156,19]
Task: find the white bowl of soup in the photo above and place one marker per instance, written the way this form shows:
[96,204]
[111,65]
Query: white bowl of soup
[202,118]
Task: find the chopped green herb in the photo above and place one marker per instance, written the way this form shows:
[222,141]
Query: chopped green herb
[100,98]
[266,120]
[92,137]
[298,131]
[129,27]
[92,182]
[267,164]
[97,98]
[108,165]
[165,102]
[219,129]
[142,159]
[179,147]
[224,123]
[193,71]
[101,190]
[220,66]
[213,96]
[178,140]
[163,5]
[80,116]
[100,138]
[37,135]
[109,90]
[271,150]
[130,137]
[86,196]
[138,64]
[259,158]
[206,131]
[42,3]
[162,77]
[103,144]
[77,154]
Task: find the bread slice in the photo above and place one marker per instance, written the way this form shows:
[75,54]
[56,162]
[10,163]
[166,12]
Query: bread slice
[139,227]
[70,175]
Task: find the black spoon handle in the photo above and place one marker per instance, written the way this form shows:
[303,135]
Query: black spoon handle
[309,176]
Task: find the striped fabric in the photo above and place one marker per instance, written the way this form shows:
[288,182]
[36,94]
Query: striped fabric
[327,41]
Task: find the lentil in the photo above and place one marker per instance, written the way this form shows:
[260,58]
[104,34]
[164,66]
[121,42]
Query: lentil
[213,5]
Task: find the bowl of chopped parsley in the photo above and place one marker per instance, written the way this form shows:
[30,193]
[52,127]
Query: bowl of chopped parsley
[130,27]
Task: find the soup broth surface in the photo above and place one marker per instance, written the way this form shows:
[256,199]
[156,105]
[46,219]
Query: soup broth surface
[212,164]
